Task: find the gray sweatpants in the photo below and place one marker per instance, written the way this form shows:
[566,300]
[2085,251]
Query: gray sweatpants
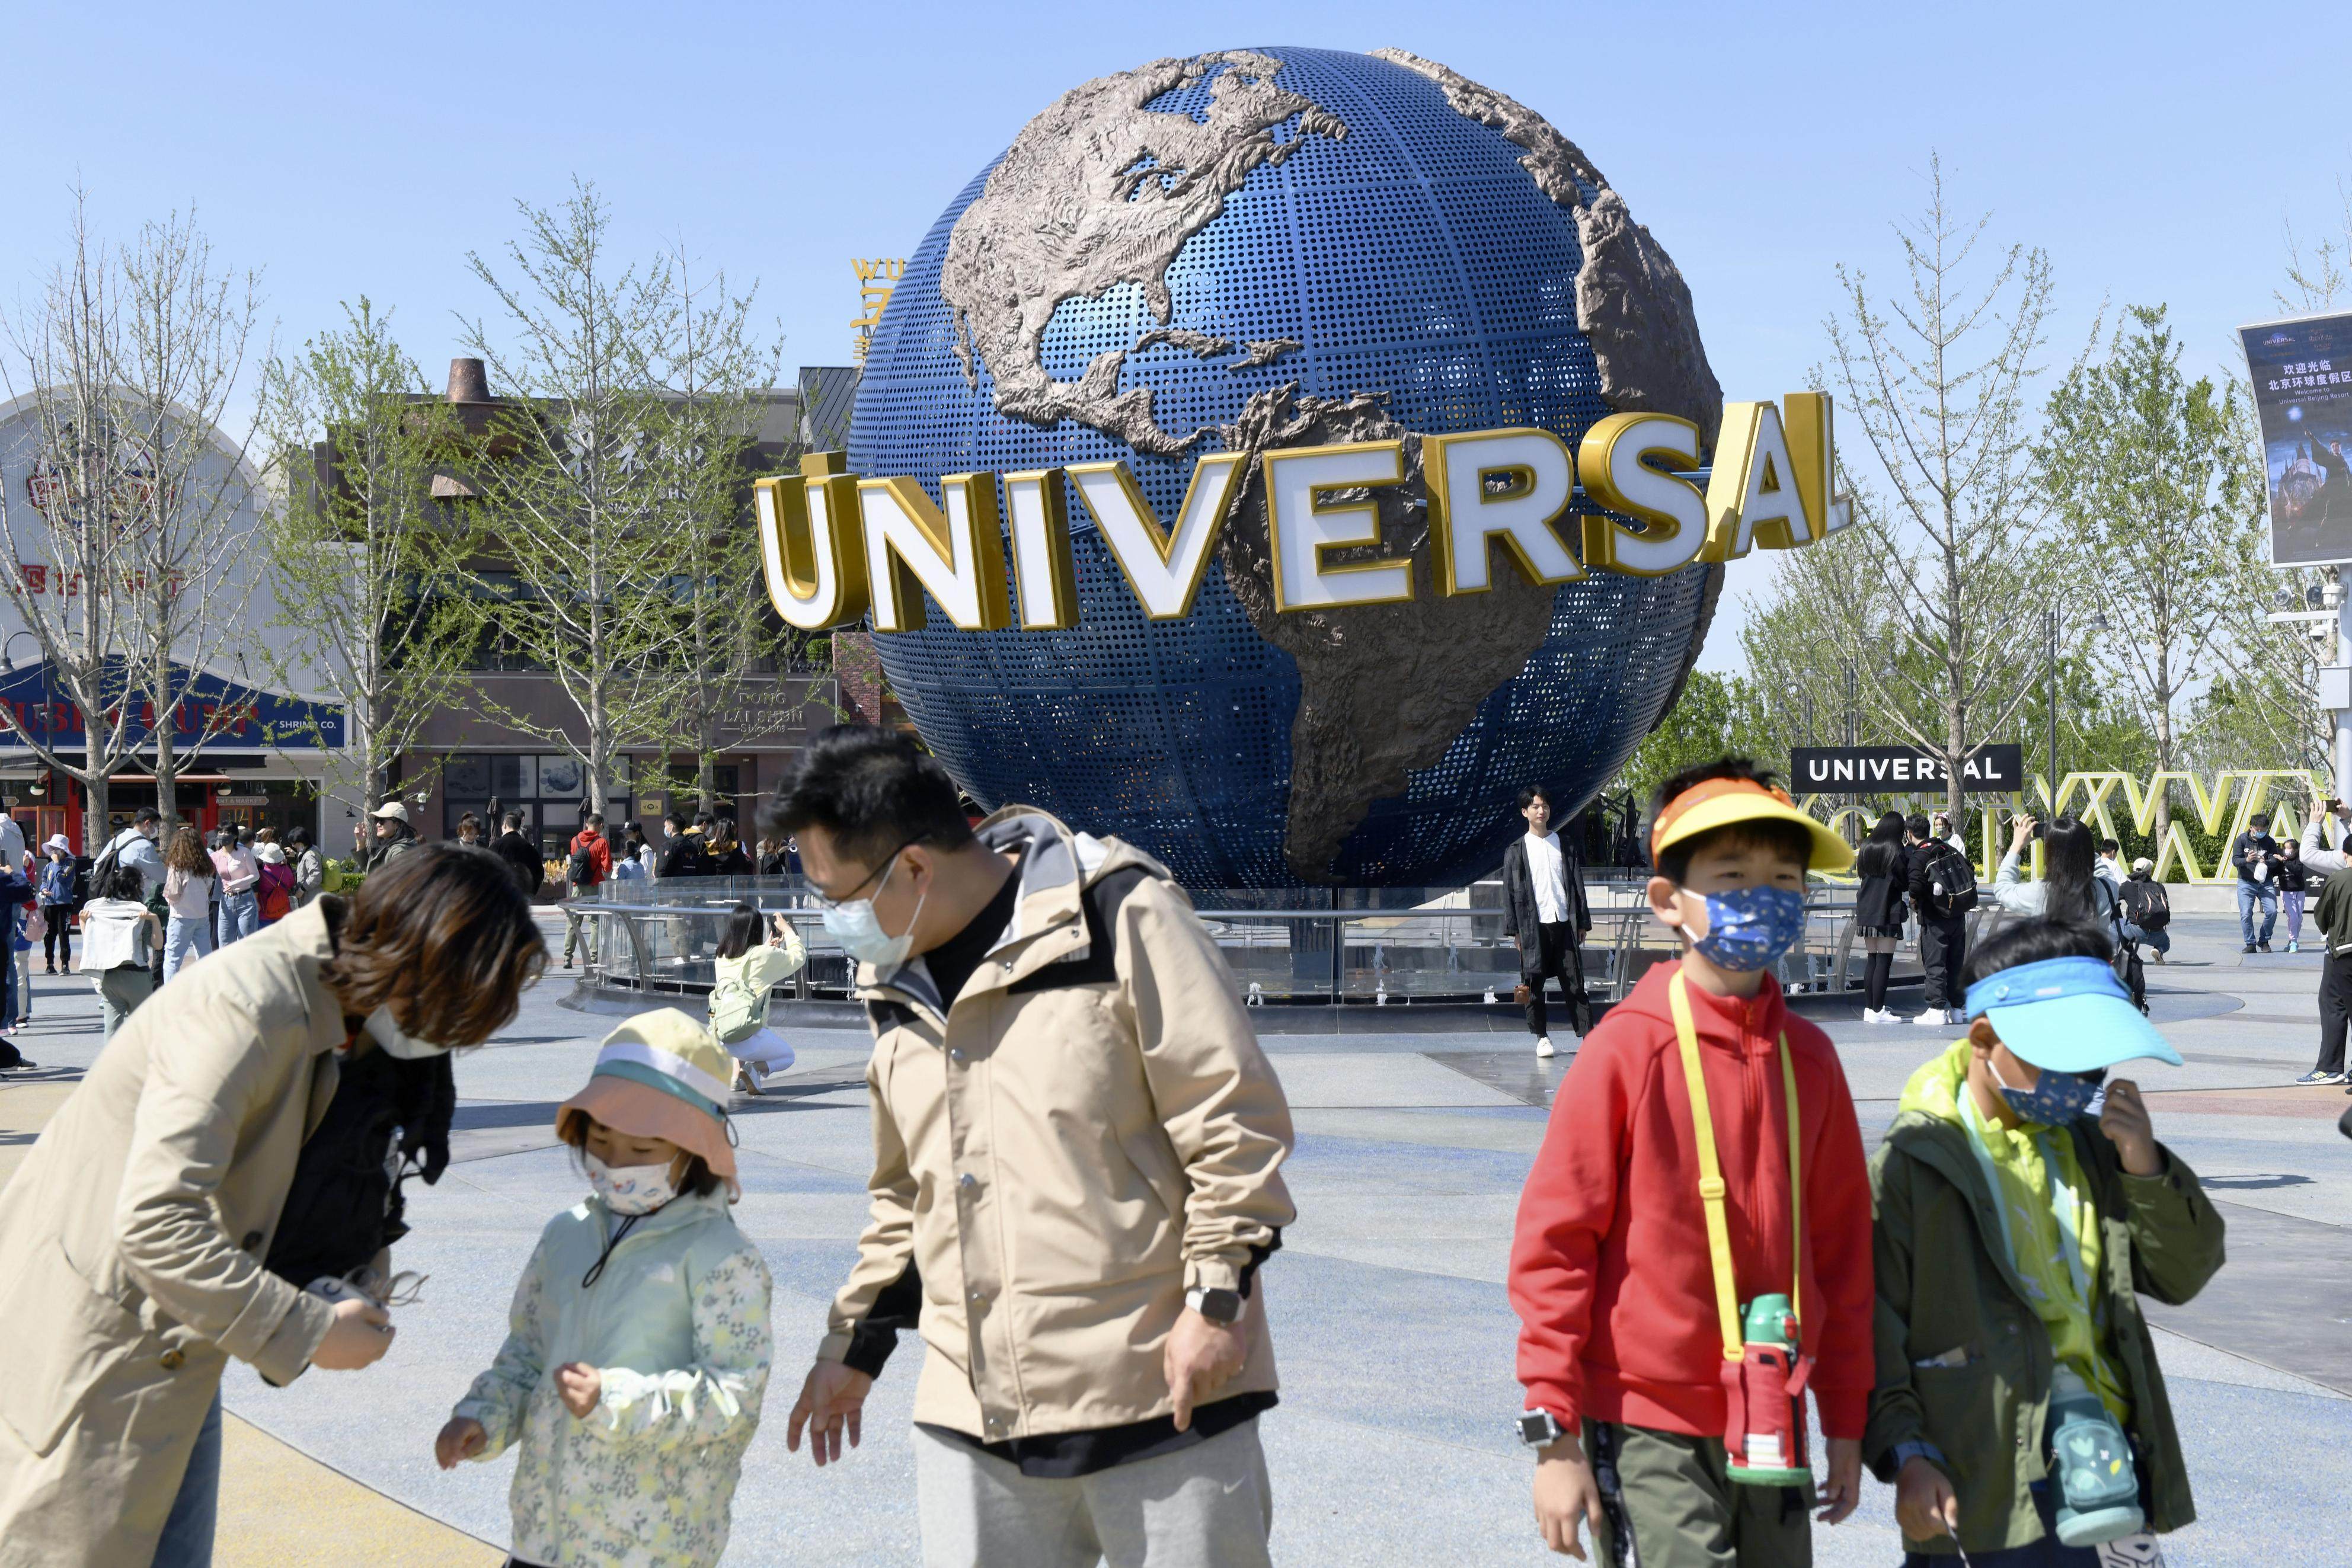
[1204,1507]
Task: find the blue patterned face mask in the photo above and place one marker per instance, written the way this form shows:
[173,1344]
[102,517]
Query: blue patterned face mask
[1749,927]
[2056,1099]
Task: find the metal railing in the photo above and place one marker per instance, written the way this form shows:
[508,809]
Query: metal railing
[1423,945]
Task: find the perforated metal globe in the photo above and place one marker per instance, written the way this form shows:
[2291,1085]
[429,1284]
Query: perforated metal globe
[1414,257]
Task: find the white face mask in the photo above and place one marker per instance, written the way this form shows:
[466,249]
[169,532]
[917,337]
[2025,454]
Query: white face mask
[407,1047]
[630,1189]
[859,931]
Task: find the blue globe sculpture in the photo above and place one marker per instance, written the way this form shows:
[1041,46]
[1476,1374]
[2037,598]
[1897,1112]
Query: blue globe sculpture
[1249,249]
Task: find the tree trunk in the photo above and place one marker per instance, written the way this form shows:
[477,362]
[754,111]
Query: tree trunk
[95,809]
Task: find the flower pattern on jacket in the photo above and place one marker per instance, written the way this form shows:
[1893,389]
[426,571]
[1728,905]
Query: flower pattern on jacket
[646,1479]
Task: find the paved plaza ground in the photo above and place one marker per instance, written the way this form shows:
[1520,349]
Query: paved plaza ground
[1391,1443]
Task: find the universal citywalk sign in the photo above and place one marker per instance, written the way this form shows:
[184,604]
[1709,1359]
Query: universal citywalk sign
[838,547]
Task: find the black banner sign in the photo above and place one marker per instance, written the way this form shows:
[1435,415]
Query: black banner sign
[1899,770]
[2302,389]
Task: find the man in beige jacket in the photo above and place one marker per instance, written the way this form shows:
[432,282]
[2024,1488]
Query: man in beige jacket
[1077,1145]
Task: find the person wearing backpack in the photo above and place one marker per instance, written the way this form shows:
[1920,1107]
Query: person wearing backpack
[310,867]
[274,892]
[118,933]
[590,866]
[748,969]
[1943,888]
[2146,910]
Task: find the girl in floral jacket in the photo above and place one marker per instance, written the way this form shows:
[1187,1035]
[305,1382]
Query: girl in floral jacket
[637,1356]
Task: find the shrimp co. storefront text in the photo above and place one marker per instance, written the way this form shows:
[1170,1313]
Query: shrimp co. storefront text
[246,756]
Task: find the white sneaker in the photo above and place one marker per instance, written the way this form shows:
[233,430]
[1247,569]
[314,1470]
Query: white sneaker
[1879,1015]
[1543,1045]
[1933,1018]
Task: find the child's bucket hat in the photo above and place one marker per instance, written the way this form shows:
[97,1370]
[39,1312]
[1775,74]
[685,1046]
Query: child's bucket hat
[661,1075]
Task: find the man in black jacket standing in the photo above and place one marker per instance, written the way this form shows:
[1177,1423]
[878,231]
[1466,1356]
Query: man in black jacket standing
[515,850]
[1544,910]
[1943,937]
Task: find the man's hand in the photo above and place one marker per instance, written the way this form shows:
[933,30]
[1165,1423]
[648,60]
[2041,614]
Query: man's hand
[1567,1496]
[832,1399]
[580,1387]
[461,1438]
[2125,1123]
[1925,1504]
[358,1336]
[1201,1358]
[1842,1493]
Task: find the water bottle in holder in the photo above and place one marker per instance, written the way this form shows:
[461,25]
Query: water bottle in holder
[1765,1441]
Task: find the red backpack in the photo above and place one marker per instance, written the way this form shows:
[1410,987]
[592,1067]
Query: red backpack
[276,891]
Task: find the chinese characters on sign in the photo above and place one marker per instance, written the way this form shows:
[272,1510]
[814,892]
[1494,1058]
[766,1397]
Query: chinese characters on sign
[42,578]
[876,279]
[2301,372]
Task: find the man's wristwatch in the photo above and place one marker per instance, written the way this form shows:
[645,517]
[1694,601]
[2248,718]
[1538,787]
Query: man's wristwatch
[1219,1306]
[1539,1428]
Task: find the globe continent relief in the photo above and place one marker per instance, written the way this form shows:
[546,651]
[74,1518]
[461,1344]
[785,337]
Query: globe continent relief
[1262,248]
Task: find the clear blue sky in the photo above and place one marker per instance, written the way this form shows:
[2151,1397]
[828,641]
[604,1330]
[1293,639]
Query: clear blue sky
[2153,149]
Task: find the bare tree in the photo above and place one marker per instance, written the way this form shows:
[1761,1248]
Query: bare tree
[580,522]
[185,327]
[2316,275]
[125,555]
[357,546]
[2154,481]
[1942,558]
[732,647]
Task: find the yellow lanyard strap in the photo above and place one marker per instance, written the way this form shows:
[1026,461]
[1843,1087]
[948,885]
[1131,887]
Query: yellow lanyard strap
[1710,1174]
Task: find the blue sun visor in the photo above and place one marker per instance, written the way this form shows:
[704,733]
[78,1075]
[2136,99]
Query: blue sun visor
[2069,1015]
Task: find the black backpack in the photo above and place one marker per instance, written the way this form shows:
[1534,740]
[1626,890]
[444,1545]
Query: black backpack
[2147,904]
[581,868]
[1951,884]
[343,1206]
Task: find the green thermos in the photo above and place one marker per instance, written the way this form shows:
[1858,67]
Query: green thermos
[1765,1445]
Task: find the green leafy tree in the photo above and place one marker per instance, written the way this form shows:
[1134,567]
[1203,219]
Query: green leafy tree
[1716,716]
[357,544]
[2152,480]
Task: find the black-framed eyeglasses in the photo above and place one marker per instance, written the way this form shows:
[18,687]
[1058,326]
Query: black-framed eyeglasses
[866,881]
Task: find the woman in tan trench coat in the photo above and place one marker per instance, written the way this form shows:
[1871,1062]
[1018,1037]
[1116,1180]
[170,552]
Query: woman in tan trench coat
[132,1239]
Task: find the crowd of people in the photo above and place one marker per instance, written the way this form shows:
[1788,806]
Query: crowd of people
[1076,1197]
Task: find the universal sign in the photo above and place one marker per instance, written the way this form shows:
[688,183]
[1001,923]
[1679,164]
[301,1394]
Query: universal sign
[837,547]
[1897,769]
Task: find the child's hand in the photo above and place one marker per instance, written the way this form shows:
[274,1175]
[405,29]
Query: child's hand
[2124,1122]
[1842,1493]
[462,1439]
[1567,1498]
[1925,1504]
[580,1387]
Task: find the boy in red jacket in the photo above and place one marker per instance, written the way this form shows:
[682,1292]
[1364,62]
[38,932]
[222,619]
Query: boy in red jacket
[1632,1289]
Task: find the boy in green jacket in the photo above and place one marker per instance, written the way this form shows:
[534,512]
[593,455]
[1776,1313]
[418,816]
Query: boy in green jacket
[2019,1411]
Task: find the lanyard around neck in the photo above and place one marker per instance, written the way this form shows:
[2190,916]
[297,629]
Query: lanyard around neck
[1710,1175]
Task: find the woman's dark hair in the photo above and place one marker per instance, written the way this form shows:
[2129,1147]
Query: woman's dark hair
[1786,838]
[187,852]
[2032,941]
[127,883]
[1889,830]
[741,933]
[297,839]
[2071,868]
[469,821]
[873,792]
[444,937]
[700,1179]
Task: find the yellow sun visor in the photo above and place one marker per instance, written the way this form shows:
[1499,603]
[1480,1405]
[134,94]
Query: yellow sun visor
[1720,802]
